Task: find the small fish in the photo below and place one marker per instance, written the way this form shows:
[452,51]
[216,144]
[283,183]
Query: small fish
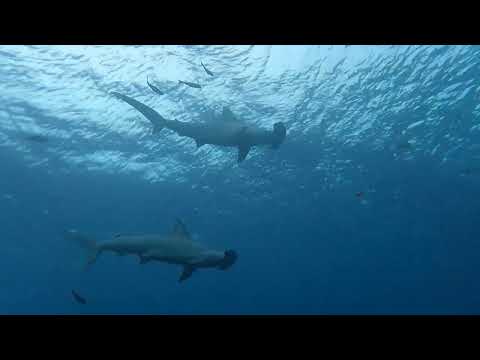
[206,70]
[193,85]
[359,194]
[78,298]
[37,138]
[154,88]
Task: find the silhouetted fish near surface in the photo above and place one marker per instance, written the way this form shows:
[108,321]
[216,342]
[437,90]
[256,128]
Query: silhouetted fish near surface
[206,70]
[78,298]
[193,85]
[37,138]
[154,88]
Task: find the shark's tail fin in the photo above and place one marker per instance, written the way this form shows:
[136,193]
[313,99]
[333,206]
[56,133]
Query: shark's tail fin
[85,242]
[279,133]
[154,117]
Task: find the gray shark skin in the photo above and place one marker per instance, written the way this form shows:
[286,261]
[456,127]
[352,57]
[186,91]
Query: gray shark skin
[175,248]
[226,131]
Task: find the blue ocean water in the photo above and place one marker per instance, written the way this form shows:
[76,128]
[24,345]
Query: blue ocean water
[370,206]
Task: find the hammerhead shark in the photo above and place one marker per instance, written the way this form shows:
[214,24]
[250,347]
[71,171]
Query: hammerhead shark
[226,130]
[176,248]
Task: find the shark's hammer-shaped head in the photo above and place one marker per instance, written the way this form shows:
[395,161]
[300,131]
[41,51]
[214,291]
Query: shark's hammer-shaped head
[229,258]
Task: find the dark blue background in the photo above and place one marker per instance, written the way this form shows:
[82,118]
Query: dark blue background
[415,252]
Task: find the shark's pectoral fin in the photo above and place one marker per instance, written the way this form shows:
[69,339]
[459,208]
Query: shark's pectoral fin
[199,143]
[244,146]
[243,152]
[186,273]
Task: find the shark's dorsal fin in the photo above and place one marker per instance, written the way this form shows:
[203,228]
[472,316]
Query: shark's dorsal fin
[227,114]
[180,230]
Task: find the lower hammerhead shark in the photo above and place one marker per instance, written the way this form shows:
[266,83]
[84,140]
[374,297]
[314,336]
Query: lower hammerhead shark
[175,247]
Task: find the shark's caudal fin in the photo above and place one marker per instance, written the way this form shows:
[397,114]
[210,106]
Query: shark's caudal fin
[85,242]
[154,117]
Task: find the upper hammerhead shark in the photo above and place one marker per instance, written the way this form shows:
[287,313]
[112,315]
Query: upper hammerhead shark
[224,131]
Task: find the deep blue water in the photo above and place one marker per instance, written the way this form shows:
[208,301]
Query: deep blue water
[398,124]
